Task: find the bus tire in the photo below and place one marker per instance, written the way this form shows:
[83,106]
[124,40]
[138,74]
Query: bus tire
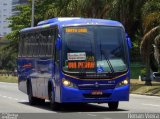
[32,100]
[54,105]
[113,105]
[40,101]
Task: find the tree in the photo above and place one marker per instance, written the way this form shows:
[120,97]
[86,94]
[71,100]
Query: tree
[129,13]
[126,11]
[80,8]
[53,8]
[151,24]
[22,20]
[9,52]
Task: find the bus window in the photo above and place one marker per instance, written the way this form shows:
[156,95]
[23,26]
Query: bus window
[20,46]
[30,46]
[25,46]
[34,45]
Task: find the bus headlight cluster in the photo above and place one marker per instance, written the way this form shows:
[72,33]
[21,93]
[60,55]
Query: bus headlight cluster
[123,83]
[68,83]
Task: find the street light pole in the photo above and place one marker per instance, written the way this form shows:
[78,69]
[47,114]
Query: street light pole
[32,24]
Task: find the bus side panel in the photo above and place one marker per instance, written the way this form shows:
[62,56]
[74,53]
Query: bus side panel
[57,84]
[25,67]
[22,85]
[44,73]
[21,78]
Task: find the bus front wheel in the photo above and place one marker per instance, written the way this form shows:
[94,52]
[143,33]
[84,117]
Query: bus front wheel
[113,105]
[54,105]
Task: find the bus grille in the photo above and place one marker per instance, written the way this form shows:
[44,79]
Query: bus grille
[96,87]
[105,95]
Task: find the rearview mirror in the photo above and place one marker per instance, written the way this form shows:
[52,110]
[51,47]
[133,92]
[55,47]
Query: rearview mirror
[129,43]
[58,43]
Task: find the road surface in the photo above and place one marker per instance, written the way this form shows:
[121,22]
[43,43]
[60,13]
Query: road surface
[13,101]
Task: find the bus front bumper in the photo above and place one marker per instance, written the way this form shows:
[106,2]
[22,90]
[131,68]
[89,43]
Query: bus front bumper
[110,95]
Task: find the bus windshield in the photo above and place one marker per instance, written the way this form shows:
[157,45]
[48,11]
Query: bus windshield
[94,49]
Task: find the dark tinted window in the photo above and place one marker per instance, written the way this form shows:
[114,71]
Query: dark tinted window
[38,43]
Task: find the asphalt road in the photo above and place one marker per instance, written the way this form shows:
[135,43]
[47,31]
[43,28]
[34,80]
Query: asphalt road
[12,102]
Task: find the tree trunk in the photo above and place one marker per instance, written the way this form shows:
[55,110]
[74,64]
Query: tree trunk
[148,73]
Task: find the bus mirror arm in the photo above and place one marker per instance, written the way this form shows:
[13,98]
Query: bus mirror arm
[58,43]
[129,43]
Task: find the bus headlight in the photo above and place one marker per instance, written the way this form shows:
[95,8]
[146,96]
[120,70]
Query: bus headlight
[68,83]
[123,83]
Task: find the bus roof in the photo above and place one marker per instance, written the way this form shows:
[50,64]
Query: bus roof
[72,21]
[54,20]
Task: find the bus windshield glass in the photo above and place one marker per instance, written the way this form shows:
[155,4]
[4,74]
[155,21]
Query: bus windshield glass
[94,49]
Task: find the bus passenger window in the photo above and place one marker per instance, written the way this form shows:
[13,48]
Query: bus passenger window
[20,46]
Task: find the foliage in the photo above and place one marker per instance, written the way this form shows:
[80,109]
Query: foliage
[9,52]
[143,72]
[151,24]
[150,14]
[7,60]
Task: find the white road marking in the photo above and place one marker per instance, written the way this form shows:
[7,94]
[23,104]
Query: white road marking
[91,115]
[3,86]
[11,98]
[146,96]
[103,112]
[15,99]
[151,105]
[4,96]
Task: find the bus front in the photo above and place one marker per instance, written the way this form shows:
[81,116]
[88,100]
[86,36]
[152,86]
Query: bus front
[95,65]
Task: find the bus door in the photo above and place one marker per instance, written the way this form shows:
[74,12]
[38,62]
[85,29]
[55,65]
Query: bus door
[57,72]
[44,72]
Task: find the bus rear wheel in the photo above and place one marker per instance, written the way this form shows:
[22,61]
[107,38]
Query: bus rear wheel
[32,100]
[40,101]
[113,105]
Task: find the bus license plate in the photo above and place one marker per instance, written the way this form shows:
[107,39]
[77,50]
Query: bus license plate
[97,92]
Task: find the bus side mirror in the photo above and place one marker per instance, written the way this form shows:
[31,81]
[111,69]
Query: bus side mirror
[58,43]
[129,43]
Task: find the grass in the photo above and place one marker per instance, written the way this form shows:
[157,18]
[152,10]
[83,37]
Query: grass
[135,72]
[136,69]
[138,87]
[9,79]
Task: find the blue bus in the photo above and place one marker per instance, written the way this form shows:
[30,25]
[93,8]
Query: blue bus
[74,60]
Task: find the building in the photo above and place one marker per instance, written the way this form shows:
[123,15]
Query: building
[7,9]
[15,3]
[5,13]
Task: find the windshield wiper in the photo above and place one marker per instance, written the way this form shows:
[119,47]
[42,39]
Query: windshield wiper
[108,61]
[106,58]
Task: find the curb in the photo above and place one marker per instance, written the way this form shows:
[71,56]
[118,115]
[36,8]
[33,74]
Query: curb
[146,94]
